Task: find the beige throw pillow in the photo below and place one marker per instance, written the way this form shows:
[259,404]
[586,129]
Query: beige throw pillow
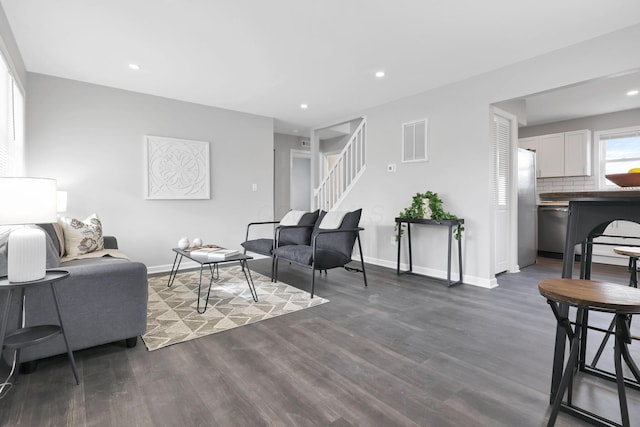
[82,237]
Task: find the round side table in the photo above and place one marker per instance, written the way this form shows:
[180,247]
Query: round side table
[32,335]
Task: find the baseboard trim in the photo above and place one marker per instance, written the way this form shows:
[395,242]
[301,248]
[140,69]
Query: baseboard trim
[438,274]
[431,272]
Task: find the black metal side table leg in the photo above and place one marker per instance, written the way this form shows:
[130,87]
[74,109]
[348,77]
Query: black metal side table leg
[64,334]
[5,318]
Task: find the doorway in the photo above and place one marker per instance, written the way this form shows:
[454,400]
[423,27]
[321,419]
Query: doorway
[505,192]
[300,180]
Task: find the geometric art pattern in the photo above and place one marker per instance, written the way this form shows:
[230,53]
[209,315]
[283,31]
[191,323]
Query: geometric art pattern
[172,317]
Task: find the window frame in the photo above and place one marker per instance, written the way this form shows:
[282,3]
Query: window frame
[600,154]
[14,138]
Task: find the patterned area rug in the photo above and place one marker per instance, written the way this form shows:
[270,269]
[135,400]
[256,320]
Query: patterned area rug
[172,316]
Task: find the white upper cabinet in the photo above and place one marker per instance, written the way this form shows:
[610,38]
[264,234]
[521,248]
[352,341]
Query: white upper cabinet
[550,155]
[577,153]
[561,154]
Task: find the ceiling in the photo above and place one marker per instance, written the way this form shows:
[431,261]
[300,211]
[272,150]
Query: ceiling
[599,96]
[269,57]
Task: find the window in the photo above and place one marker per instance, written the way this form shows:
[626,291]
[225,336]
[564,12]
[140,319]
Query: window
[619,151]
[414,141]
[11,124]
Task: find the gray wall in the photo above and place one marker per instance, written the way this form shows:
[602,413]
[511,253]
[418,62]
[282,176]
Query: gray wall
[460,152]
[90,138]
[283,144]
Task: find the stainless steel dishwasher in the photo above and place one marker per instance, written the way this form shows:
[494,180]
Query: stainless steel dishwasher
[552,230]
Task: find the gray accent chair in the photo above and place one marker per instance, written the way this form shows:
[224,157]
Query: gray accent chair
[284,235]
[103,300]
[327,249]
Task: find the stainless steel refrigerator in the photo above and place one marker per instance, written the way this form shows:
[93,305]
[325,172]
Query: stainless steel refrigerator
[527,208]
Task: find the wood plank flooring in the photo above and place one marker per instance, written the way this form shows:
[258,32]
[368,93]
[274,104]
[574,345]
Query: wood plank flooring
[406,351]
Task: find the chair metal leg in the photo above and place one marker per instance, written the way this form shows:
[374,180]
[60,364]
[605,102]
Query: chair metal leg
[275,269]
[364,274]
[313,277]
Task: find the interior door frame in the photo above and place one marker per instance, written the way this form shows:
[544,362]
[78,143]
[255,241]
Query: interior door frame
[300,154]
[512,211]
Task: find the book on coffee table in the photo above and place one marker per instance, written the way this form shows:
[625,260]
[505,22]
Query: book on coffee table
[214,254]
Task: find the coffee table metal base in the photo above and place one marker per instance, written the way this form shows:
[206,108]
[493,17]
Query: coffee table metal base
[215,274]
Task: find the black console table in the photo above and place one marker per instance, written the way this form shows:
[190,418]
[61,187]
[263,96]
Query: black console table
[450,223]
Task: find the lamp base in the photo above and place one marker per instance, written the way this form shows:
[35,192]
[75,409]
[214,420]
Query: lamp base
[27,255]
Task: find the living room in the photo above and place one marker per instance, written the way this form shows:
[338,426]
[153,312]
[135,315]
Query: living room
[89,136]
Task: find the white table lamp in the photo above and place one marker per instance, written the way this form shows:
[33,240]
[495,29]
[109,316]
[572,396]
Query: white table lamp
[27,201]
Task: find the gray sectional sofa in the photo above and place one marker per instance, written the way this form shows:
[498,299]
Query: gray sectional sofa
[102,301]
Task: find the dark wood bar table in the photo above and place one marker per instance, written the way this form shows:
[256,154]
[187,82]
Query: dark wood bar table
[590,212]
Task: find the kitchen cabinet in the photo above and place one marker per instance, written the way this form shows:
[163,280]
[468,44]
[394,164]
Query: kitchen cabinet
[550,155]
[529,143]
[577,153]
[561,154]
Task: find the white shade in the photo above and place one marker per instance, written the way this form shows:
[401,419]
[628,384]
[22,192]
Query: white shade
[27,200]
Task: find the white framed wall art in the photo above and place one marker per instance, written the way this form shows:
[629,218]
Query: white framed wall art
[176,168]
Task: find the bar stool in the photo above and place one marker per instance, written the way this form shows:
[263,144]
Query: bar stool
[633,253]
[585,295]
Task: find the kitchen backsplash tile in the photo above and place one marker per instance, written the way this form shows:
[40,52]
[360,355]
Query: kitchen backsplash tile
[571,183]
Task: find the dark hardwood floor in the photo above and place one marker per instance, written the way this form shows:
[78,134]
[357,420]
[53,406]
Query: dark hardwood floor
[406,351]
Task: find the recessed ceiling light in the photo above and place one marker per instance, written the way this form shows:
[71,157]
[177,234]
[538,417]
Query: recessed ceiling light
[295,130]
[380,74]
[134,66]
[632,92]
[304,106]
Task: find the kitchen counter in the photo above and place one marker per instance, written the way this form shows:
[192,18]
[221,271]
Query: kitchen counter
[591,196]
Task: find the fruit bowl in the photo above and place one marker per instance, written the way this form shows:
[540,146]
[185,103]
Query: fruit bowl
[625,179]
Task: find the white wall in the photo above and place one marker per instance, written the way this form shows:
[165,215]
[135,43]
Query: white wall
[460,152]
[90,138]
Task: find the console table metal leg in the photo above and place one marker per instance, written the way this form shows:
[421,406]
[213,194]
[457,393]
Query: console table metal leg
[399,243]
[409,241]
[459,253]
[64,334]
[449,256]
[174,269]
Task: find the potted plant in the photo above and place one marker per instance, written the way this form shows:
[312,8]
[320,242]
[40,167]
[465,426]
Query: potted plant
[429,206]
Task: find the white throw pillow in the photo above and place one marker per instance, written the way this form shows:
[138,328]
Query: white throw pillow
[82,237]
[292,217]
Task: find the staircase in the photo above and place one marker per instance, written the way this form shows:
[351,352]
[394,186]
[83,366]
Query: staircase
[345,172]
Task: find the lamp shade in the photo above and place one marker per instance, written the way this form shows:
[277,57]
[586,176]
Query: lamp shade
[27,200]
